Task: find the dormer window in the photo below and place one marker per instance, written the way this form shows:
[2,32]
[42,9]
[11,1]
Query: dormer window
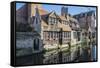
[52,20]
[64,22]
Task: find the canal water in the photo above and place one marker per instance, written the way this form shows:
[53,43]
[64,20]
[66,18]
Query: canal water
[52,57]
[57,56]
[89,53]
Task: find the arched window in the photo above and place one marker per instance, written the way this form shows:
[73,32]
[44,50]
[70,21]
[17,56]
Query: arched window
[36,44]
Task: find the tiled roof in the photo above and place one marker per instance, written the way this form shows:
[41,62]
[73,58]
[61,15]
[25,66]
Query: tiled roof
[62,18]
[43,23]
[42,12]
[44,19]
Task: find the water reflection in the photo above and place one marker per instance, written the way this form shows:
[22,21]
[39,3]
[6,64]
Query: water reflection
[56,56]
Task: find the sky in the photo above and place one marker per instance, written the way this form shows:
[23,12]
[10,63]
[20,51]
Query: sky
[57,8]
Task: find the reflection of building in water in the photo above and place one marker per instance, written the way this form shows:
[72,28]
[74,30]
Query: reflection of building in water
[56,57]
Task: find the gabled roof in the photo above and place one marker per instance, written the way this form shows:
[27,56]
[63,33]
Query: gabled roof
[44,23]
[53,14]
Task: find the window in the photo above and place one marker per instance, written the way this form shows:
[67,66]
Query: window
[64,22]
[45,35]
[53,20]
[63,35]
[36,44]
[78,35]
[50,19]
[57,34]
[48,34]
[69,34]
[75,35]
[51,34]
[66,34]
[93,35]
